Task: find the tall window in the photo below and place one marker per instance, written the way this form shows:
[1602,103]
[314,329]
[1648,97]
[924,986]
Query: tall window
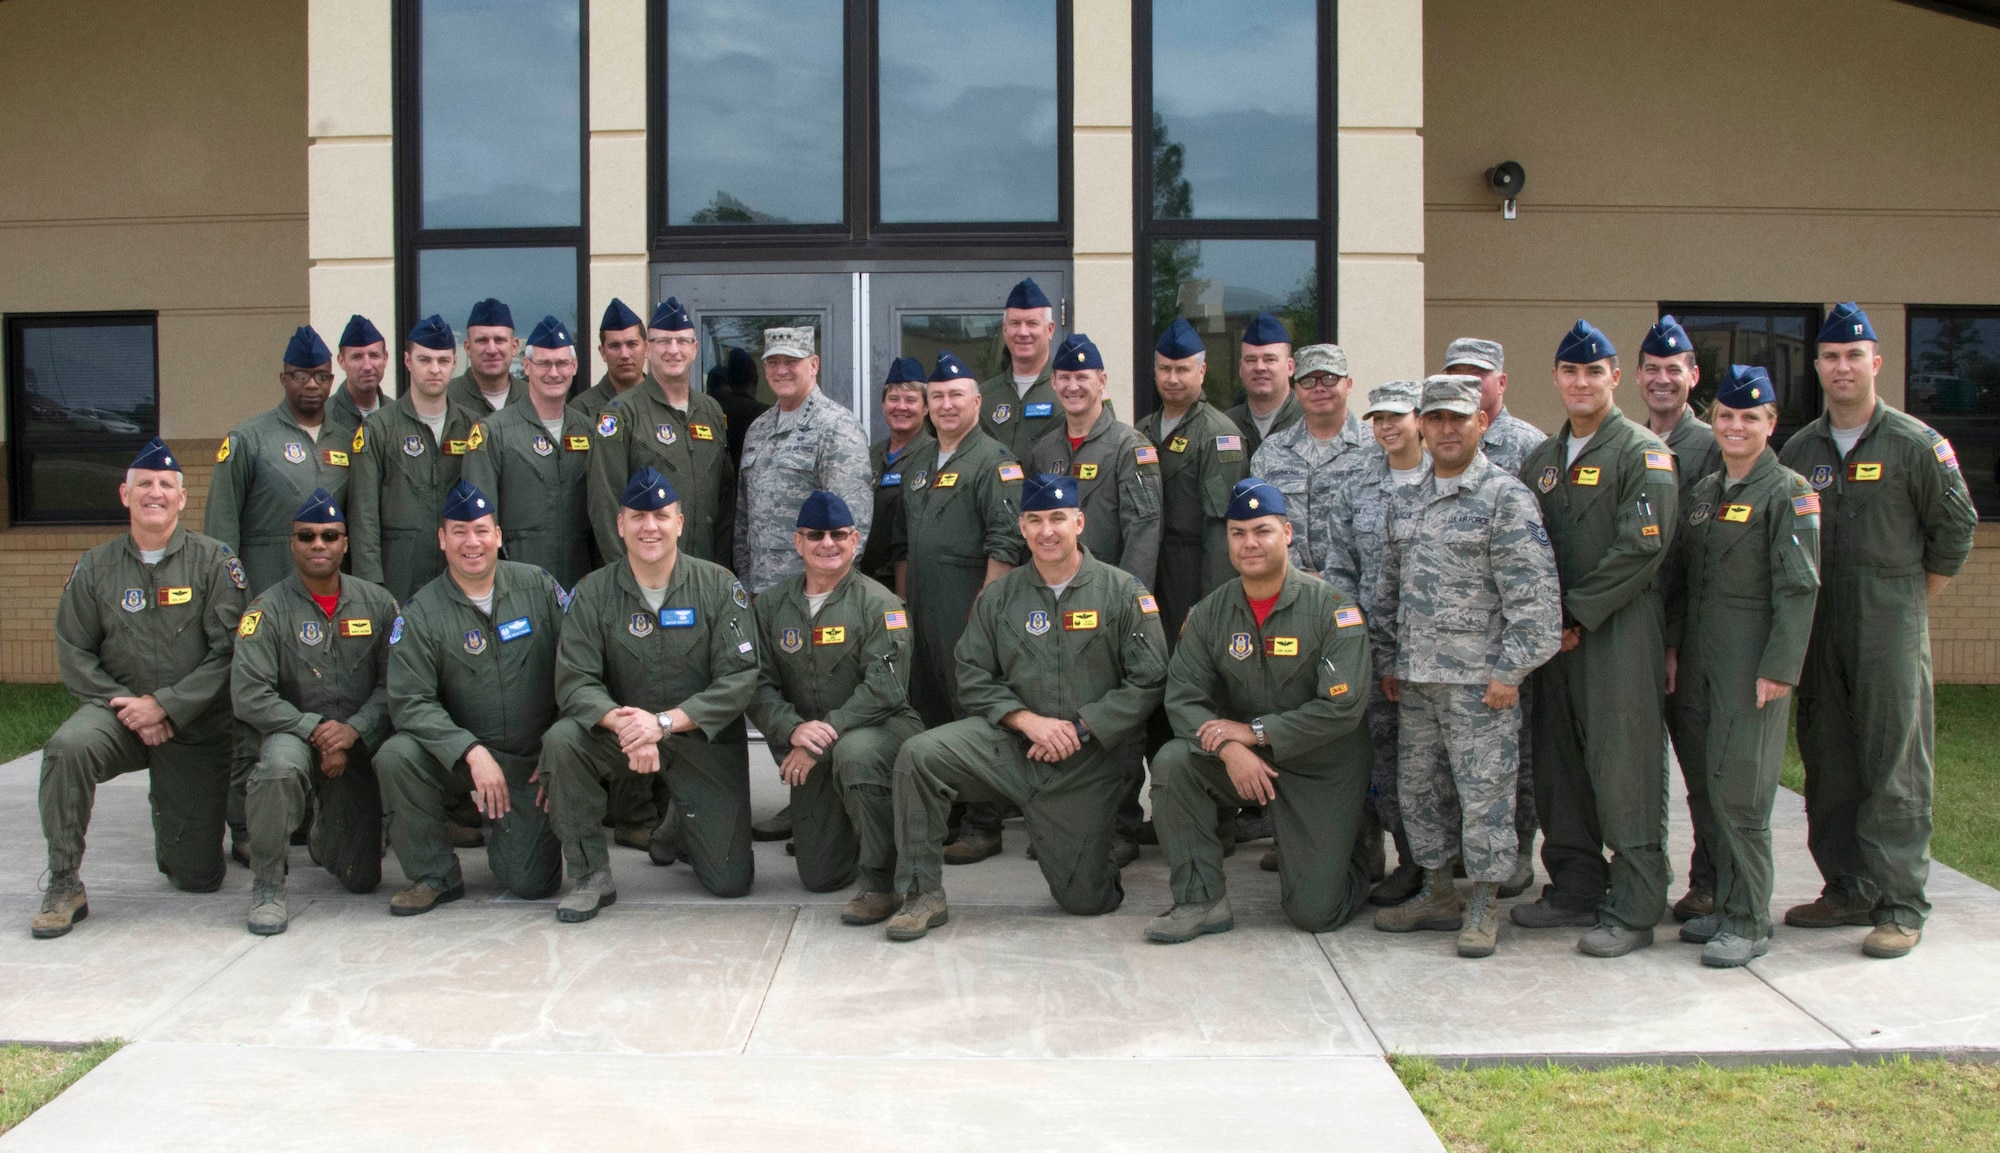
[1235,174]
[491,159]
[1779,338]
[1952,383]
[83,394]
[867,124]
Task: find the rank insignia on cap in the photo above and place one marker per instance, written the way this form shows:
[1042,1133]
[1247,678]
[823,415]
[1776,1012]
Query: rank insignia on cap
[1734,514]
[1038,623]
[1001,412]
[1807,505]
[357,627]
[1822,475]
[1086,472]
[234,568]
[475,642]
[1346,617]
[790,640]
[607,425]
[895,620]
[311,633]
[1864,471]
[1147,604]
[830,635]
[1229,444]
[1583,476]
[1945,454]
[247,627]
[222,450]
[295,452]
[664,433]
[1010,472]
[176,596]
[413,445]
[1339,690]
[577,443]
[1253,503]
[360,439]
[1547,483]
[1079,621]
[334,457]
[642,625]
[947,480]
[1177,444]
[542,445]
[1281,646]
[1663,461]
[1146,454]
[134,600]
[1240,646]
[1700,513]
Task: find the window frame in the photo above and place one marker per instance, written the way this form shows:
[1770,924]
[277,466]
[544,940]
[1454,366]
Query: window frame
[863,235]
[412,239]
[1912,313]
[20,455]
[1814,315]
[1145,231]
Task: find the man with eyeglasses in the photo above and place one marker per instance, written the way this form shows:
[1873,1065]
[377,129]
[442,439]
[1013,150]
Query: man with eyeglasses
[488,383]
[310,677]
[363,356]
[1314,458]
[621,341]
[534,462]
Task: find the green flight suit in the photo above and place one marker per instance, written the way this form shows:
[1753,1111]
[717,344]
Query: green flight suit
[1289,413]
[1741,584]
[460,677]
[1695,456]
[955,519]
[1894,509]
[264,470]
[396,490]
[295,667]
[1118,476]
[464,392]
[1599,723]
[639,428]
[1200,462]
[847,665]
[697,653]
[1095,656]
[341,410]
[125,628]
[1015,420]
[877,558]
[538,484]
[592,400]
[1305,672]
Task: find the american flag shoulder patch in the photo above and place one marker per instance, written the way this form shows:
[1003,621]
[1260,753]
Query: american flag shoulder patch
[895,620]
[1010,472]
[1947,456]
[1147,454]
[1346,617]
[1806,505]
[1229,444]
[1147,604]
[1664,461]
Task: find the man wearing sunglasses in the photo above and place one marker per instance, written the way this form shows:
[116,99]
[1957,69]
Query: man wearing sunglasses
[1314,458]
[310,677]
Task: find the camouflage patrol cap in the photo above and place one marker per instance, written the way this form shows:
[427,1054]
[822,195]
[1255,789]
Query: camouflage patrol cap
[1459,394]
[793,342]
[1484,355]
[1319,358]
[1397,396]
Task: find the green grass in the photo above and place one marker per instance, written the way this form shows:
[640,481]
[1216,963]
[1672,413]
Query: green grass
[29,714]
[31,1076]
[1898,1104]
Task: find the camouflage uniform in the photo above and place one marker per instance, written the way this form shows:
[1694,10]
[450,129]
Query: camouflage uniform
[786,455]
[1309,471]
[1509,440]
[1467,594]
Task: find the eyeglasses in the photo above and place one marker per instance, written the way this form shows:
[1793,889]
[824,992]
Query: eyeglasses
[1318,380]
[325,536]
[300,376]
[671,341]
[816,535]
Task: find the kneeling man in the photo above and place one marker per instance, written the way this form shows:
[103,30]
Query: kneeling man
[656,667]
[1059,667]
[1267,694]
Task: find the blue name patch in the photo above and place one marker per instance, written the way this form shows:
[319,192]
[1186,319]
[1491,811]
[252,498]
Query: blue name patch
[1035,410]
[891,480]
[518,627]
[676,618]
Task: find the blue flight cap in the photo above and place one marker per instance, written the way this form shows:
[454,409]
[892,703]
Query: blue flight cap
[156,457]
[950,367]
[360,332]
[1254,497]
[824,510]
[1666,338]
[648,491]
[1028,294]
[320,508]
[490,313]
[1076,353]
[671,317]
[1265,329]
[465,502]
[306,349]
[550,333]
[618,318]
[1179,341]
[1583,344]
[433,333]
[906,370]
[1746,386]
[1845,325]
[1045,491]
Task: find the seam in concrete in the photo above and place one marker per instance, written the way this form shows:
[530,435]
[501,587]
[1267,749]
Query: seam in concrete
[1812,1016]
[750,1034]
[1353,1000]
[243,951]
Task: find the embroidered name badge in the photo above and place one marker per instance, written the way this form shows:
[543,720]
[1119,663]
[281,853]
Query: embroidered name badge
[1547,482]
[1075,621]
[295,452]
[515,629]
[1147,604]
[1700,513]
[455,447]
[890,480]
[1240,646]
[176,596]
[676,618]
[357,627]
[830,635]
[895,620]
[1229,444]
[311,633]
[1034,411]
[542,445]
[790,640]
[1807,505]
[1581,475]
[1735,513]
[607,425]
[1001,413]
[1871,471]
[702,431]
[1038,623]
[1339,690]
[664,433]
[947,480]
[1822,475]
[577,443]
[641,626]
[1146,454]
[1177,444]
[247,627]
[475,642]
[1086,472]
[334,457]
[1010,472]
[1664,461]
[1346,617]
[1281,646]
[413,445]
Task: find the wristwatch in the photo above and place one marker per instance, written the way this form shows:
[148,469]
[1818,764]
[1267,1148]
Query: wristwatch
[666,720]
[1082,732]
[1257,729]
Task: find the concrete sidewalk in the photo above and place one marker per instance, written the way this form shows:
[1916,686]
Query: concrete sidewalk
[678,1016]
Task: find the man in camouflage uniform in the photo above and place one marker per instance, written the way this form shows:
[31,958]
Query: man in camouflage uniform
[311,678]
[904,411]
[1266,366]
[1018,404]
[1316,457]
[363,356]
[144,633]
[1467,606]
[488,383]
[534,461]
[621,341]
[807,442]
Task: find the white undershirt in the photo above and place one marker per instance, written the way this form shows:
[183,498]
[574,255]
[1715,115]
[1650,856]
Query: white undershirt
[815,600]
[1402,476]
[1023,383]
[370,410]
[485,603]
[944,457]
[654,597]
[1576,446]
[1265,422]
[1846,438]
[151,555]
[498,400]
[681,407]
[1169,423]
[435,424]
[312,430]
[554,427]
[1058,589]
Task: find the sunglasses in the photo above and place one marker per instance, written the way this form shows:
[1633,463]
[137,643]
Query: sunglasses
[816,535]
[326,536]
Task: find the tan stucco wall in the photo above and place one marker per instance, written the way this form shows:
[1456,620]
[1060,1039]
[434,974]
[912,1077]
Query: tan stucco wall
[1101,185]
[154,160]
[1730,151]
